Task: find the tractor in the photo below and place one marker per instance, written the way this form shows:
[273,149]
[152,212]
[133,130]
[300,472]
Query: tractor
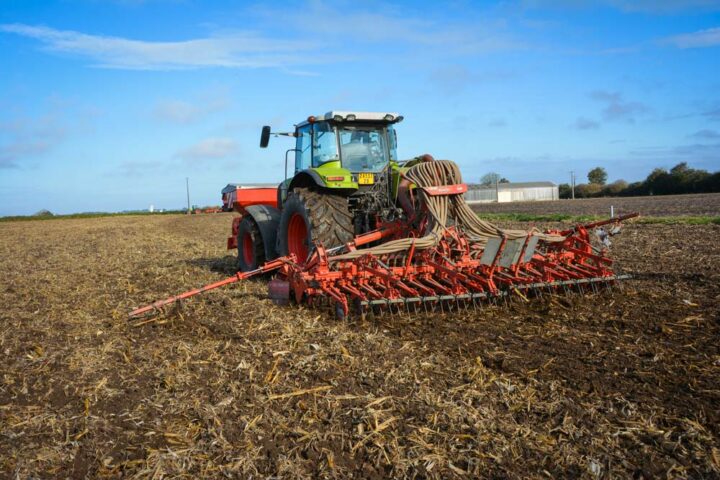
[345,183]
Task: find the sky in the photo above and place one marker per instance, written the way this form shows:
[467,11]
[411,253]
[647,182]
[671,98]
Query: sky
[111,105]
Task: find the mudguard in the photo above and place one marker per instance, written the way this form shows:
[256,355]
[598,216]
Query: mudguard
[268,221]
[306,178]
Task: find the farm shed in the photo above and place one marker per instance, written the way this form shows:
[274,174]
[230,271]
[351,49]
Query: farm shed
[512,192]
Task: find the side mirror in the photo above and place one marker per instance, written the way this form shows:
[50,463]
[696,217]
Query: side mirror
[265,136]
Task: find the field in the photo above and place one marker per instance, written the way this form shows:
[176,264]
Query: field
[623,384]
[707,204]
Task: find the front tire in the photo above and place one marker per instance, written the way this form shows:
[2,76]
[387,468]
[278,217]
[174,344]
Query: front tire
[308,216]
[251,250]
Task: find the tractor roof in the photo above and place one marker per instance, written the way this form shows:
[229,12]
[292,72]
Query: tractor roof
[351,116]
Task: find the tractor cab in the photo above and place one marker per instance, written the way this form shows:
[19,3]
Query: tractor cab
[360,142]
[340,150]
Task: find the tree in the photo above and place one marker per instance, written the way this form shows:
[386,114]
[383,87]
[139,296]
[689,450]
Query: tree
[587,190]
[615,188]
[597,176]
[491,178]
[711,183]
[659,182]
[504,180]
[564,190]
[680,169]
[688,180]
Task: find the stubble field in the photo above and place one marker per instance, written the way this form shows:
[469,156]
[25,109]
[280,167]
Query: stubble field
[623,384]
[705,204]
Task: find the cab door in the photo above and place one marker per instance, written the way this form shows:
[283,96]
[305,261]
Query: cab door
[303,148]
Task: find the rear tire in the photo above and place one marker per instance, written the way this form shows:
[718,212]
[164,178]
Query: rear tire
[251,250]
[308,216]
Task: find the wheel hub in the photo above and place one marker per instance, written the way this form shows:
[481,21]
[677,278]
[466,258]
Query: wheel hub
[298,237]
[248,249]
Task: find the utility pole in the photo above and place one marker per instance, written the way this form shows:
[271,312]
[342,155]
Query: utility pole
[572,183]
[187,187]
[497,189]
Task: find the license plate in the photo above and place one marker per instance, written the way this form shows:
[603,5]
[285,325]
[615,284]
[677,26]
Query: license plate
[366,178]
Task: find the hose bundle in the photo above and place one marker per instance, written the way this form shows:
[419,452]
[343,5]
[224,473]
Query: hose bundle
[444,211]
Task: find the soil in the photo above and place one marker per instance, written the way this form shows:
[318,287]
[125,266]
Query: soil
[658,206]
[619,384]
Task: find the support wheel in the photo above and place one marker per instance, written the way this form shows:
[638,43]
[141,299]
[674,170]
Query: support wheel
[340,312]
[251,250]
[308,216]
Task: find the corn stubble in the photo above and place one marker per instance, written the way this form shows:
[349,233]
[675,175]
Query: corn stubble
[615,385]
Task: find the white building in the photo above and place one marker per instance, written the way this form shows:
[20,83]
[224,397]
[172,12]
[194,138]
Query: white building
[512,192]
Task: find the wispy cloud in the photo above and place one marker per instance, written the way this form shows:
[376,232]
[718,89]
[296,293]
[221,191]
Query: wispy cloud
[387,24]
[659,7]
[583,123]
[139,169]
[184,112]
[701,154]
[312,34]
[663,6]
[210,149]
[236,50]
[699,39]
[497,122]
[454,79]
[28,138]
[706,135]
[712,114]
[617,108]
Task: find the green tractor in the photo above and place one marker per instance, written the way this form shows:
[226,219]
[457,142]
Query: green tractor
[345,183]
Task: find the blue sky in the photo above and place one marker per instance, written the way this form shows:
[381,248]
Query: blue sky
[110,105]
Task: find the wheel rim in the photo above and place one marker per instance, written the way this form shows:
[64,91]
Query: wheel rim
[248,249]
[297,237]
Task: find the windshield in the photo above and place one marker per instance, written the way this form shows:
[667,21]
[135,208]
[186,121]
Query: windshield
[363,148]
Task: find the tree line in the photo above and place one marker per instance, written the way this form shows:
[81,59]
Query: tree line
[678,180]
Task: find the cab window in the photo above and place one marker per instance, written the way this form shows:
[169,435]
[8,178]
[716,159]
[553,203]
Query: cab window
[363,148]
[324,145]
[303,145]
[392,140]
